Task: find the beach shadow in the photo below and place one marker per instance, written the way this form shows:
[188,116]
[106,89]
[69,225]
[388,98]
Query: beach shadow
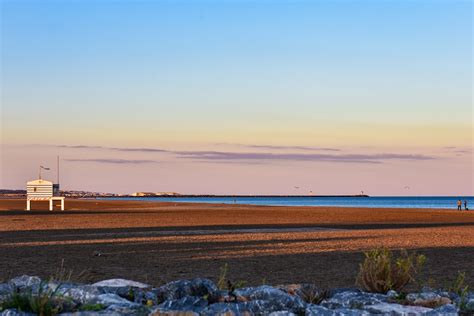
[209,229]
[158,265]
[57,212]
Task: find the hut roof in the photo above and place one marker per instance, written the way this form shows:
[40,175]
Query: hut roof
[39,182]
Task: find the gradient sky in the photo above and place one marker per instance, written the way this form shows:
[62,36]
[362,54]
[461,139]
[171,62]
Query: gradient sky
[243,97]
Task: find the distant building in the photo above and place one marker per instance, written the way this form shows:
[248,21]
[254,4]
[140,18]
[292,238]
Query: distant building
[143,194]
[154,194]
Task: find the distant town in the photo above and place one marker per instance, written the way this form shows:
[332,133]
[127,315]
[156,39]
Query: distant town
[5,193]
[87,194]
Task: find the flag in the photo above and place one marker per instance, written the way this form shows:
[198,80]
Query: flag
[44,168]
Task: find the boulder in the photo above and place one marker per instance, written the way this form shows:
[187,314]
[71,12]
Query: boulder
[188,303]
[120,283]
[396,309]
[182,288]
[353,300]
[282,313]
[279,299]
[26,282]
[5,291]
[113,299]
[80,294]
[317,310]
[446,310]
[160,312]
[15,312]
[427,299]
[309,293]
[469,306]
[247,308]
[133,309]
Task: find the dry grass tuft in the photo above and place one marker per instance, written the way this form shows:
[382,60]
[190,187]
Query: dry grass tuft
[381,272]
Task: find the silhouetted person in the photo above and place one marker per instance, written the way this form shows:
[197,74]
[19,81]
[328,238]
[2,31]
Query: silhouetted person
[459,205]
[465,205]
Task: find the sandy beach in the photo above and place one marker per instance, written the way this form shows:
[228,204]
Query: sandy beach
[159,242]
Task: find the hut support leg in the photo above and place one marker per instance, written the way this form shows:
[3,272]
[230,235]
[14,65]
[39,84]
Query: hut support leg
[50,204]
[62,205]
[28,205]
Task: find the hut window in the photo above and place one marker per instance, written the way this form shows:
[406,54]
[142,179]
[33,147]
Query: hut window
[34,189]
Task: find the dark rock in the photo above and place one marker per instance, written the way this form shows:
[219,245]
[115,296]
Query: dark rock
[282,313]
[113,310]
[15,312]
[112,300]
[92,313]
[447,310]
[317,310]
[145,297]
[80,294]
[253,308]
[188,303]
[396,309]
[159,312]
[279,299]
[469,306]
[134,309]
[309,293]
[5,291]
[353,300]
[335,291]
[25,282]
[427,299]
[196,287]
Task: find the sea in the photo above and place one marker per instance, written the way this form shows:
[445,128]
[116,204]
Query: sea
[439,202]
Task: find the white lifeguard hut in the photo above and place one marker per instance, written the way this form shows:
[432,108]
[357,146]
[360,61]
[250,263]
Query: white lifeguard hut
[42,190]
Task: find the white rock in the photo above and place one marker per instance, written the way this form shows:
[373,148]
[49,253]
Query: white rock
[121,283]
[282,313]
[25,281]
[113,299]
[396,309]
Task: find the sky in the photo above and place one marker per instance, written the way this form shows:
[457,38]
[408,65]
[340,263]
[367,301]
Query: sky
[239,97]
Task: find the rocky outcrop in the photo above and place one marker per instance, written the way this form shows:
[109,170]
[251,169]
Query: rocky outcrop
[202,297]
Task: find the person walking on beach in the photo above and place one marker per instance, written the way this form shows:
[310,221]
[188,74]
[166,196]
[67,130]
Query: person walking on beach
[459,205]
[465,205]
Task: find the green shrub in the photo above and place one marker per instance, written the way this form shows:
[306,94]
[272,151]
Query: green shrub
[222,281]
[460,288]
[381,272]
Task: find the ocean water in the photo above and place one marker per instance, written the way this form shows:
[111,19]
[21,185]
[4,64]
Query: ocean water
[440,202]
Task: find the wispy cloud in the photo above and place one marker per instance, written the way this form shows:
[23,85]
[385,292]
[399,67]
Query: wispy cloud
[143,150]
[281,147]
[257,156]
[458,150]
[113,161]
[78,146]
[346,158]
[123,149]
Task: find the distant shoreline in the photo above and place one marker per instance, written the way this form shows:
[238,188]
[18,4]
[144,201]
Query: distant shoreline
[241,196]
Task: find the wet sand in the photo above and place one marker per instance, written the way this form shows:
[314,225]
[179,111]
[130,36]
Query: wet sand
[159,242]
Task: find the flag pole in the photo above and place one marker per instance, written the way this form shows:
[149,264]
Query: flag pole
[58,169]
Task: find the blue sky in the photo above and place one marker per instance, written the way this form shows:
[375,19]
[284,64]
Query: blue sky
[212,57]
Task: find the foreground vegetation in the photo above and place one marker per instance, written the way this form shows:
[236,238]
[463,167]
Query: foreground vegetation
[381,272]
